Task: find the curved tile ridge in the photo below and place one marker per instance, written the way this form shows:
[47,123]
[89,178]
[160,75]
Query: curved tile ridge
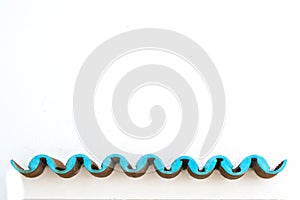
[221,163]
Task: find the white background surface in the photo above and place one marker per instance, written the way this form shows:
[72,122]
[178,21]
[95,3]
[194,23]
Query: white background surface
[255,46]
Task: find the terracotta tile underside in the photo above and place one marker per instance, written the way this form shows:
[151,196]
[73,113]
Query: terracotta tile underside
[221,163]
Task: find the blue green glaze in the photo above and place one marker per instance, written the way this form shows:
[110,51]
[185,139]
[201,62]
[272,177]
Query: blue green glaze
[219,162]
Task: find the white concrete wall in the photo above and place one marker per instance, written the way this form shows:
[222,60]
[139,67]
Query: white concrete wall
[255,46]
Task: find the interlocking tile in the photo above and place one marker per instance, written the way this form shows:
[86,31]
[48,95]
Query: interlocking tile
[221,163]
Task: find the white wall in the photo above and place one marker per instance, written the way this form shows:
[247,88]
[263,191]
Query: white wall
[255,46]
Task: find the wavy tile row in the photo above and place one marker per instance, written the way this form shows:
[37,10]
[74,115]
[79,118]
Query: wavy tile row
[221,163]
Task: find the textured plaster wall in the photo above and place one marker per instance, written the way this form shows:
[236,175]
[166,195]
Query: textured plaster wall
[255,46]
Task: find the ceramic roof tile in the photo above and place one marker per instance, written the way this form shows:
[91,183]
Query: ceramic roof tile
[221,163]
